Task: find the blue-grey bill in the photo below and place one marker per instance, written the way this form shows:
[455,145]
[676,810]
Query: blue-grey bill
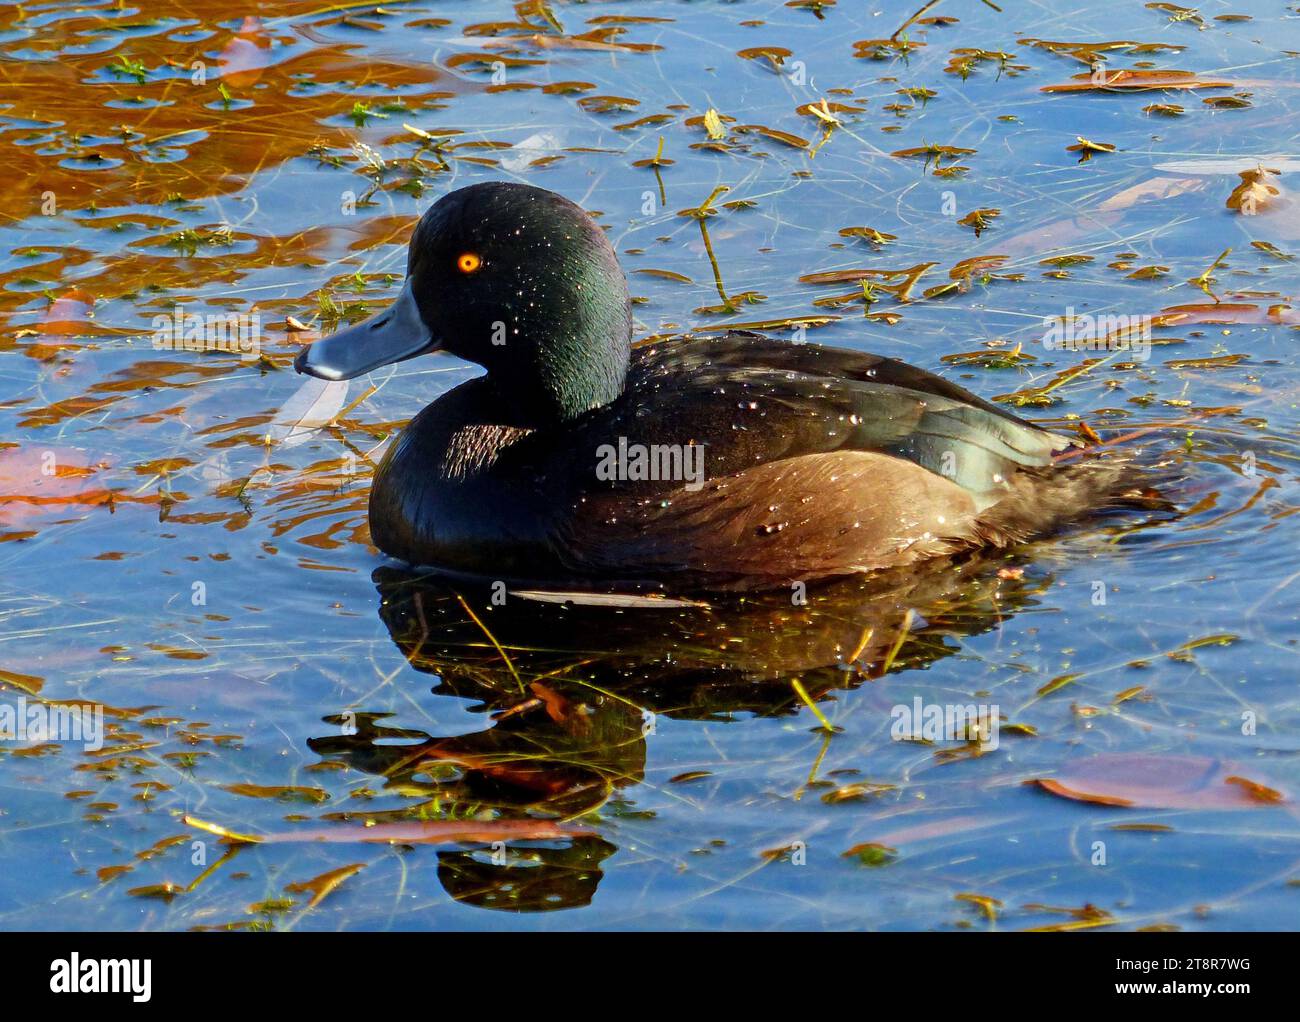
[395,334]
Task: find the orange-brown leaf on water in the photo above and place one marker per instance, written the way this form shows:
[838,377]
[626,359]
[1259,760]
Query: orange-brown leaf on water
[1086,917]
[586,41]
[672,275]
[1210,362]
[1257,791]
[1085,147]
[966,271]
[282,793]
[1270,249]
[1136,81]
[987,905]
[933,152]
[883,49]
[423,832]
[775,55]
[1056,788]
[870,234]
[1090,53]
[1147,781]
[784,137]
[165,891]
[825,110]
[1084,911]
[902,291]
[1239,101]
[872,853]
[1177,12]
[160,846]
[29,683]
[177,653]
[1256,192]
[322,886]
[558,708]
[1225,312]
[979,220]
[859,792]
[839,276]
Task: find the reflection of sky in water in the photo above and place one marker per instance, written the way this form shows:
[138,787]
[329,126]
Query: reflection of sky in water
[166,192]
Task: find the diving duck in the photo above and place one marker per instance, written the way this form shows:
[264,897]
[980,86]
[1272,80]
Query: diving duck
[726,462]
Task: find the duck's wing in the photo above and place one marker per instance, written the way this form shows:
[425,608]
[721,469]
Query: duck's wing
[751,400]
[791,462]
[796,519]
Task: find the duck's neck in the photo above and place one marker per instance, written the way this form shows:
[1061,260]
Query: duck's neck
[580,364]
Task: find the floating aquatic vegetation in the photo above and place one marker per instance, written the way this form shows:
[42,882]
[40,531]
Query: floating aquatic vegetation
[874,237]
[964,60]
[774,55]
[979,220]
[1086,147]
[1136,81]
[1239,101]
[1256,192]
[1178,13]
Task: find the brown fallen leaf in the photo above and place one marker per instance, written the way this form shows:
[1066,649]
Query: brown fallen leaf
[1229,313]
[558,708]
[794,141]
[1141,780]
[1086,147]
[1255,193]
[870,234]
[165,891]
[1056,788]
[979,220]
[1210,362]
[322,886]
[1237,102]
[872,853]
[1135,81]
[29,683]
[988,906]
[1258,792]
[775,55]
[282,793]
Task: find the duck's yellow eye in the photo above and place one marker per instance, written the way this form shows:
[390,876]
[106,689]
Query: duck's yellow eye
[468,263]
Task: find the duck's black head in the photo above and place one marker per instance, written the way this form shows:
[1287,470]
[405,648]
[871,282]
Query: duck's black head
[516,278]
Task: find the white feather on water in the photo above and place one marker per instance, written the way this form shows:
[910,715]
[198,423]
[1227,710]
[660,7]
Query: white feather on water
[312,407]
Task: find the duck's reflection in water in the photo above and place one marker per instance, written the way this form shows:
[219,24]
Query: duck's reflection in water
[574,690]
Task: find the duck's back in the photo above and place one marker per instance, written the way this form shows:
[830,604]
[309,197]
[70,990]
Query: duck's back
[736,461]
